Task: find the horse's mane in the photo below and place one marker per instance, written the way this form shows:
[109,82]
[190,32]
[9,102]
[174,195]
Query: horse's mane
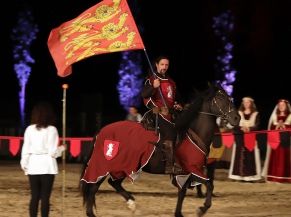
[191,109]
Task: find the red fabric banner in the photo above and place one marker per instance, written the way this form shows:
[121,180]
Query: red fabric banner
[104,28]
[227,139]
[250,141]
[14,146]
[75,147]
[273,139]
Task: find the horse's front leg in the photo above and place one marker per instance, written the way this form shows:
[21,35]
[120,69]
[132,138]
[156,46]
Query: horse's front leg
[208,200]
[199,191]
[210,174]
[117,185]
[181,197]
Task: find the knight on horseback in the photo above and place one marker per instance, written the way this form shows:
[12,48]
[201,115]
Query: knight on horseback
[124,149]
[161,97]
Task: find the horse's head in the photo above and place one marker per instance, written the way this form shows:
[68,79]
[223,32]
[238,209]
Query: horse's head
[221,105]
[209,104]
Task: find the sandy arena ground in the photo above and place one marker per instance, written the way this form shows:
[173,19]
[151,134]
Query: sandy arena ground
[155,196]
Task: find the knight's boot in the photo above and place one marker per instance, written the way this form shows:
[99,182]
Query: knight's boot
[171,167]
[169,156]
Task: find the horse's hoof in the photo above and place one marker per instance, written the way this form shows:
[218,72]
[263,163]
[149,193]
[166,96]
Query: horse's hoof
[215,195]
[200,195]
[178,215]
[199,212]
[90,215]
[131,205]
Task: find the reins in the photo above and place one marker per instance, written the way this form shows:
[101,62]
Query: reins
[208,113]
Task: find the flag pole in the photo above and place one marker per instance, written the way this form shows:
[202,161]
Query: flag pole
[152,70]
[159,88]
[65,87]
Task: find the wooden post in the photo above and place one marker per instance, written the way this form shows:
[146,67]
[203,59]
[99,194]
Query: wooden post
[65,87]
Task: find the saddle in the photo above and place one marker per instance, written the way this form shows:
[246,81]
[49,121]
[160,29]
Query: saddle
[149,121]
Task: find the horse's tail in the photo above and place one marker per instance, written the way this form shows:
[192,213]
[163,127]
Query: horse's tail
[85,191]
[84,166]
[85,187]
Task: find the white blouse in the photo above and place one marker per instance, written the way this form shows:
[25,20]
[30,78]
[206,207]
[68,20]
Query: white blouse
[40,150]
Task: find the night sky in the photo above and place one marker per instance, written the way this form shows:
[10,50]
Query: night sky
[261,38]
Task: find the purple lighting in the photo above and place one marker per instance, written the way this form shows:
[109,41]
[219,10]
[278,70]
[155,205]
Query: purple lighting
[130,83]
[223,26]
[23,34]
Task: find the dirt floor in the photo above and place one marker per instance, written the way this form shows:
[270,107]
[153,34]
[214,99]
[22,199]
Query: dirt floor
[155,196]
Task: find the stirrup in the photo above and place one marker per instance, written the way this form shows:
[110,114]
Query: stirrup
[169,170]
[177,169]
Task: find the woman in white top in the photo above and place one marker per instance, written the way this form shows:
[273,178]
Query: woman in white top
[38,156]
[245,162]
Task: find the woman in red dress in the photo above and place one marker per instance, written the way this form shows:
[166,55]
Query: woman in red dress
[277,166]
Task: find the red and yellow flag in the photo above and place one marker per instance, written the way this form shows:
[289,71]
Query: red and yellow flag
[104,28]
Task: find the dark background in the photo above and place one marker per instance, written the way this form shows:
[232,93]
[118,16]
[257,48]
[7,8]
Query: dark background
[180,29]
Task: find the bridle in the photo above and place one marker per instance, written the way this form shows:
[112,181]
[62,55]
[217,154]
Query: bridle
[222,114]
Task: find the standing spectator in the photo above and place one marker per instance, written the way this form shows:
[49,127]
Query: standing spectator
[133,114]
[245,162]
[277,166]
[38,157]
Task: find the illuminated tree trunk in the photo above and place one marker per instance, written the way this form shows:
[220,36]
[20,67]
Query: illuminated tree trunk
[21,98]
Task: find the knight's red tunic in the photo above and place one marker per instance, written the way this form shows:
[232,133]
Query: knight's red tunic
[168,90]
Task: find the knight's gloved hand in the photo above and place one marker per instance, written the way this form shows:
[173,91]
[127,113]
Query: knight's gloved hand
[178,106]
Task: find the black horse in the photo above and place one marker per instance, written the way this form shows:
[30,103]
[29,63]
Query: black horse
[120,157]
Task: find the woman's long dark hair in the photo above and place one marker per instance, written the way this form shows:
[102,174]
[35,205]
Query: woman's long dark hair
[43,115]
